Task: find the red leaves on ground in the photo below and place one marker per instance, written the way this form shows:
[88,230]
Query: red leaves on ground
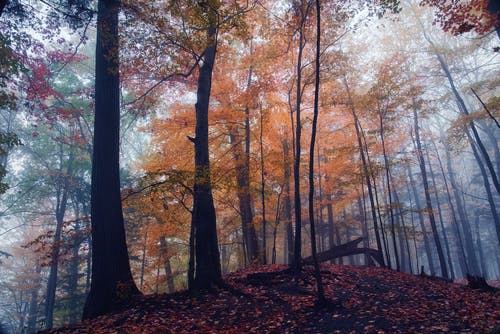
[374,300]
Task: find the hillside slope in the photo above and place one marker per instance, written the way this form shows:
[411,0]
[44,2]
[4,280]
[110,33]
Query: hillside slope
[367,300]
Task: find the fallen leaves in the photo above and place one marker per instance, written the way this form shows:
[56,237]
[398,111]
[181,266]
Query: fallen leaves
[373,300]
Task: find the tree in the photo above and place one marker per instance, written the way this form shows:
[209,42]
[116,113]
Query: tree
[112,284]
[428,201]
[319,284]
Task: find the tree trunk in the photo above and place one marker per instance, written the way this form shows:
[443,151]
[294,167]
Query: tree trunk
[297,258]
[62,201]
[207,268]
[427,244]
[428,201]
[462,107]
[262,187]
[486,182]
[464,221]
[462,259]
[112,284]
[389,190]
[366,171]
[167,266]
[242,161]
[319,283]
[3,3]
[440,215]
[287,208]
[33,305]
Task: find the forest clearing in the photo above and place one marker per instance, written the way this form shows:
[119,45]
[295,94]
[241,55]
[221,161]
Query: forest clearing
[364,300]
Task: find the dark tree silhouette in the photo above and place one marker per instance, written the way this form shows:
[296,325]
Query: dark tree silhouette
[112,283]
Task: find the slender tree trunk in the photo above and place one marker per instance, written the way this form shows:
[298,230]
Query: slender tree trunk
[319,284]
[207,270]
[403,230]
[287,208]
[62,201]
[462,258]
[366,170]
[143,260]
[242,160]
[297,258]
[462,107]
[482,260]
[262,188]
[389,191]
[413,227]
[331,224]
[167,265]
[428,252]
[486,182]
[33,305]
[112,284]
[428,201]
[464,221]
[440,215]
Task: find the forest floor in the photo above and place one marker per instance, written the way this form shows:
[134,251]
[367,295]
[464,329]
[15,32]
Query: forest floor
[363,300]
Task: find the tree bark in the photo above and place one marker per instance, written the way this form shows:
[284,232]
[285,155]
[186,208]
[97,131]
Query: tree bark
[112,284]
[207,268]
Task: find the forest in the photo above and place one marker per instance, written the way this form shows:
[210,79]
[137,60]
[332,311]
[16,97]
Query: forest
[252,166]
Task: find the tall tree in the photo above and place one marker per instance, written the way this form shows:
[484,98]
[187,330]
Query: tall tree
[428,201]
[319,283]
[301,12]
[206,261]
[112,284]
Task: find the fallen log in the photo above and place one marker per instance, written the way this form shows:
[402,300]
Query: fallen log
[347,249]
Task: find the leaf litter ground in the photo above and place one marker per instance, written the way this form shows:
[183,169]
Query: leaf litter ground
[267,299]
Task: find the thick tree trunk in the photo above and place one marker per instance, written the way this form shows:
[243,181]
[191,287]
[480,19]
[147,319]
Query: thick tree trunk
[428,201]
[207,268]
[112,284]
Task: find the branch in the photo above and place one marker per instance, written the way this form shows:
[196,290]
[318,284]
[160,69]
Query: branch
[486,108]
[168,77]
